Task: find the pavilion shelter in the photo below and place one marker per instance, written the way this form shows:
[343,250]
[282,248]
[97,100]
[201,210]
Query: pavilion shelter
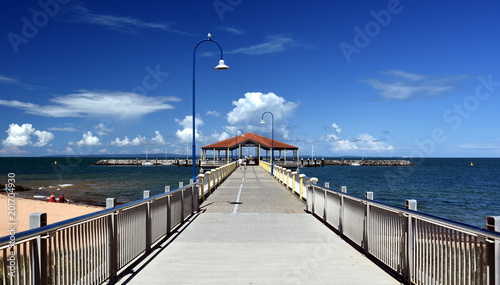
[251,146]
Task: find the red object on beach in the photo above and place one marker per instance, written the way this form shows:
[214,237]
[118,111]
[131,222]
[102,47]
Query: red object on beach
[62,199]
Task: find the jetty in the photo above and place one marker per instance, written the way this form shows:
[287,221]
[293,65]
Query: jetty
[354,162]
[237,225]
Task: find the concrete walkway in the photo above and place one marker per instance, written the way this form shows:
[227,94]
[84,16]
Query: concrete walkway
[253,231]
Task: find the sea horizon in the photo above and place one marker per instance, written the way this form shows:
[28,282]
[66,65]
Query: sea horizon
[445,187]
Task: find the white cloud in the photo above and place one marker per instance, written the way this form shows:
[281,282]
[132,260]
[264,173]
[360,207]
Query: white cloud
[250,108]
[12,150]
[363,143]
[272,45]
[98,103]
[232,30]
[214,113]
[186,134]
[21,136]
[337,129]
[8,80]
[44,138]
[117,23]
[88,140]
[406,86]
[158,139]
[63,129]
[14,81]
[102,130]
[248,112]
[127,142]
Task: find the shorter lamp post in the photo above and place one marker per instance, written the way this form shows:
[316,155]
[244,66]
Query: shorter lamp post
[239,155]
[272,139]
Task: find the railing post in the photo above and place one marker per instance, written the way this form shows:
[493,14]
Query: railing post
[411,204]
[288,177]
[201,178]
[149,228]
[294,176]
[301,186]
[195,194]
[208,175]
[167,189]
[110,203]
[342,189]
[310,199]
[113,247]
[169,214]
[366,235]
[146,194]
[327,184]
[493,252]
[38,254]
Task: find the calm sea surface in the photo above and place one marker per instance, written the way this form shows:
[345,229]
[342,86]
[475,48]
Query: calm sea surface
[446,187]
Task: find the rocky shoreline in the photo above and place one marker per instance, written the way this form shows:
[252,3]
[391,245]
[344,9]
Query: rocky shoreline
[133,161]
[303,163]
[358,162]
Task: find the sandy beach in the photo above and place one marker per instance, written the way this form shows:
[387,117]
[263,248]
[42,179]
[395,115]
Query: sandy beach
[22,208]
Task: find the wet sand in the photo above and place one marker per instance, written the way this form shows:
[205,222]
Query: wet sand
[22,208]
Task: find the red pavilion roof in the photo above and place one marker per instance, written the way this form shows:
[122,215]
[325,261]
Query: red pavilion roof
[233,142]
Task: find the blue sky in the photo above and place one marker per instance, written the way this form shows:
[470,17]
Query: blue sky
[368,78]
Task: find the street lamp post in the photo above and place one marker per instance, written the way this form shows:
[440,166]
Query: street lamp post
[239,155]
[272,139]
[220,66]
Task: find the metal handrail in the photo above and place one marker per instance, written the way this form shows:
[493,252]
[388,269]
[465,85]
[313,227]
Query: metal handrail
[419,247]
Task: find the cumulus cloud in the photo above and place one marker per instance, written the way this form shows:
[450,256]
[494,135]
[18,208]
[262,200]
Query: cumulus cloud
[87,140]
[97,103]
[127,142]
[406,86]
[18,136]
[337,129]
[363,142]
[248,112]
[158,139]
[44,138]
[186,134]
[250,108]
[102,129]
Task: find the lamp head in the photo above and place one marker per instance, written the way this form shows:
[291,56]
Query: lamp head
[221,65]
[262,122]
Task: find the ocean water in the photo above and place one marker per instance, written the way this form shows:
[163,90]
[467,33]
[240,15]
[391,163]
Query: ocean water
[82,182]
[445,187]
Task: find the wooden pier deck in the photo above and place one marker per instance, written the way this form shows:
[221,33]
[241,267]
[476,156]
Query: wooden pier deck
[251,230]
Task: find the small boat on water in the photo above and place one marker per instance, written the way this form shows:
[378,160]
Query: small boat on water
[147,162]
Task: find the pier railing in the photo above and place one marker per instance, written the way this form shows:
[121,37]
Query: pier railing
[95,248]
[91,249]
[419,248]
[211,179]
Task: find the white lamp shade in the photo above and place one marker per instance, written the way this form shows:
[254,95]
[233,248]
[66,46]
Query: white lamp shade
[221,65]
